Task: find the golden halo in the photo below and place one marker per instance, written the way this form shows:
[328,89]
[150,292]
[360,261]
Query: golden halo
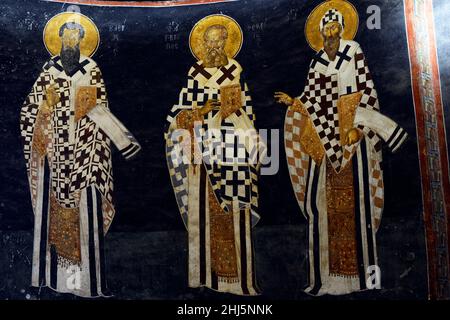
[234,41]
[88,44]
[351,20]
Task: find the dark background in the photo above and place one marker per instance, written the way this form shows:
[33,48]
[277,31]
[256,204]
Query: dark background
[144,71]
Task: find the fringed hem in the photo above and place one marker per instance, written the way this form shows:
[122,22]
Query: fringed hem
[257,293]
[228,279]
[345,276]
[64,262]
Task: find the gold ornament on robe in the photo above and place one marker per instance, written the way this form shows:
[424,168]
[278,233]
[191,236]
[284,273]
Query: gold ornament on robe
[309,139]
[234,40]
[52,41]
[223,247]
[64,232]
[311,143]
[340,196]
[351,19]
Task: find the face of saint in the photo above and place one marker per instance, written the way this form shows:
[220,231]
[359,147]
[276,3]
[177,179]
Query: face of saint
[70,51]
[331,35]
[215,48]
[70,38]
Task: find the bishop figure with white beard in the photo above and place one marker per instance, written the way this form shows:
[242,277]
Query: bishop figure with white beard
[333,136]
[212,149]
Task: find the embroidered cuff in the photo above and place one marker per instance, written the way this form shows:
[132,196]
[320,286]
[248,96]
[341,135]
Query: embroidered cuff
[397,138]
[131,150]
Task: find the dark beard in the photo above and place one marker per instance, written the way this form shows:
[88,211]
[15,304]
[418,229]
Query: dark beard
[331,46]
[70,58]
[215,58]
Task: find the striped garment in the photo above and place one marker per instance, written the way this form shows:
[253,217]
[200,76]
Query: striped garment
[68,158]
[218,195]
[339,188]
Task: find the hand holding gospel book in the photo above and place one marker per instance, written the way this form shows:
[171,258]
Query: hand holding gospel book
[230,100]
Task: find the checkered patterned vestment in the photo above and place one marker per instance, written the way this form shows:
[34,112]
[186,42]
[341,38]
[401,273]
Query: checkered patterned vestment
[326,82]
[234,177]
[78,149]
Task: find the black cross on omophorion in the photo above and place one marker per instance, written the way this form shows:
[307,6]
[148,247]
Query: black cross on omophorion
[227,73]
[42,82]
[199,69]
[54,63]
[79,67]
[343,56]
[63,118]
[318,58]
[235,183]
[195,90]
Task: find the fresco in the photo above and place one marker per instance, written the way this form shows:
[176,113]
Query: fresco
[67,130]
[258,122]
[212,154]
[333,136]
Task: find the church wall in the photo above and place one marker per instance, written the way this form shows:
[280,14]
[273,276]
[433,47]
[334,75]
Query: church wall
[144,56]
